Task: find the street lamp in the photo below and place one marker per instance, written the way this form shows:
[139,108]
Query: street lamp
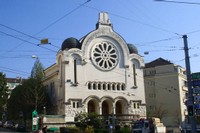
[44,110]
[34,56]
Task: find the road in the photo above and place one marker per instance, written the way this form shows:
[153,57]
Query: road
[4,130]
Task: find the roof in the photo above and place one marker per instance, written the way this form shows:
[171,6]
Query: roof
[14,80]
[132,48]
[70,43]
[157,62]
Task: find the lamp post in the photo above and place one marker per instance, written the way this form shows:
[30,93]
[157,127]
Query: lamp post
[44,110]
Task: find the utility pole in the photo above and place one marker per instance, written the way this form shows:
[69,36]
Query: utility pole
[190,92]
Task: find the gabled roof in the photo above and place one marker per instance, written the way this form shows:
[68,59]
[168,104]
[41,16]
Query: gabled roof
[157,62]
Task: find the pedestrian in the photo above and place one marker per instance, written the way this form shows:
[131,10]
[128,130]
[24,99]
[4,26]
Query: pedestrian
[44,129]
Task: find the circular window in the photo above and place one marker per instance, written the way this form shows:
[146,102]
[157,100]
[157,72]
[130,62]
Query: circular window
[105,56]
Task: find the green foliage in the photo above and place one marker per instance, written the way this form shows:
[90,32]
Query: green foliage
[15,104]
[74,129]
[83,120]
[3,92]
[37,70]
[125,130]
[89,129]
[35,94]
[26,97]
[80,120]
[30,95]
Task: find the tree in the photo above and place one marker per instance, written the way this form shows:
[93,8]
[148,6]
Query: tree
[3,92]
[16,102]
[83,120]
[30,95]
[37,71]
[27,97]
[159,112]
[35,93]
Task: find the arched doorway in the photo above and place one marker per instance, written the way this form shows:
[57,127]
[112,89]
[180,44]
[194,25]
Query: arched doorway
[105,108]
[91,107]
[118,107]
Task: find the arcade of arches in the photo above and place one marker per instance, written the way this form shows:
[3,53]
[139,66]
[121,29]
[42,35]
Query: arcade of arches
[107,105]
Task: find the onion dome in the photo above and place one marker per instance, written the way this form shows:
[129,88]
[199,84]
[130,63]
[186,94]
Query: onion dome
[70,43]
[132,49]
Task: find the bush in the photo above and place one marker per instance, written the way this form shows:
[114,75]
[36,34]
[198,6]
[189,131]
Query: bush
[125,130]
[69,130]
[89,129]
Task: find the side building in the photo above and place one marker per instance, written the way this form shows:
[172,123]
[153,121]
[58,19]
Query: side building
[166,92]
[13,82]
[99,73]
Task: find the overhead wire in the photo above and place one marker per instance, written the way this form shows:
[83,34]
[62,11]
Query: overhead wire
[136,21]
[25,41]
[156,41]
[62,18]
[145,13]
[15,71]
[178,2]
[25,34]
[73,10]
[47,27]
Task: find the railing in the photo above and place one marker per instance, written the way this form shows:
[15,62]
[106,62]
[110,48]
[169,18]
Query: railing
[120,117]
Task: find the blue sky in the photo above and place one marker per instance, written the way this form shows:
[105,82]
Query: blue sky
[156,27]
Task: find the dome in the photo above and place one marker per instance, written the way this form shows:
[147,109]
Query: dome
[70,43]
[132,48]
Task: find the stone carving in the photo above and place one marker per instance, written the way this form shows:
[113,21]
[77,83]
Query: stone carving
[71,112]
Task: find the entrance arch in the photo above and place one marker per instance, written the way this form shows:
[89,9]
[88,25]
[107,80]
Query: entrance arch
[105,108]
[118,107]
[91,107]
[121,104]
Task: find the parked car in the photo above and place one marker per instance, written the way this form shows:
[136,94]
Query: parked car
[1,124]
[20,127]
[8,124]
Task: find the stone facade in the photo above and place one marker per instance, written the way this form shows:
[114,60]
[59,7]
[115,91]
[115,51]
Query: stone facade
[99,73]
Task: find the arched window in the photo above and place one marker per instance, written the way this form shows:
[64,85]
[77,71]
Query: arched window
[123,87]
[89,86]
[104,86]
[118,87]
[136,65]
[94,86]
[109,86]
[113,86]
[99,86]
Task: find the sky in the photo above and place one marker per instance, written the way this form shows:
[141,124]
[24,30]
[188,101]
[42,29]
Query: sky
[152,26]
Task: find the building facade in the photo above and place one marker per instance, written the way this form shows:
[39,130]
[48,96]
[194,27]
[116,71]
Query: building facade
[166,92]
[13,82]
[99,73]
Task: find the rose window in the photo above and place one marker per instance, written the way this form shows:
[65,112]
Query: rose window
[105,56]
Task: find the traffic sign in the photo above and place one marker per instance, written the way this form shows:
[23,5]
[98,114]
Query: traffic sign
[195,83]
[195,75]
[35,121]
[196,90]
[197,106]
